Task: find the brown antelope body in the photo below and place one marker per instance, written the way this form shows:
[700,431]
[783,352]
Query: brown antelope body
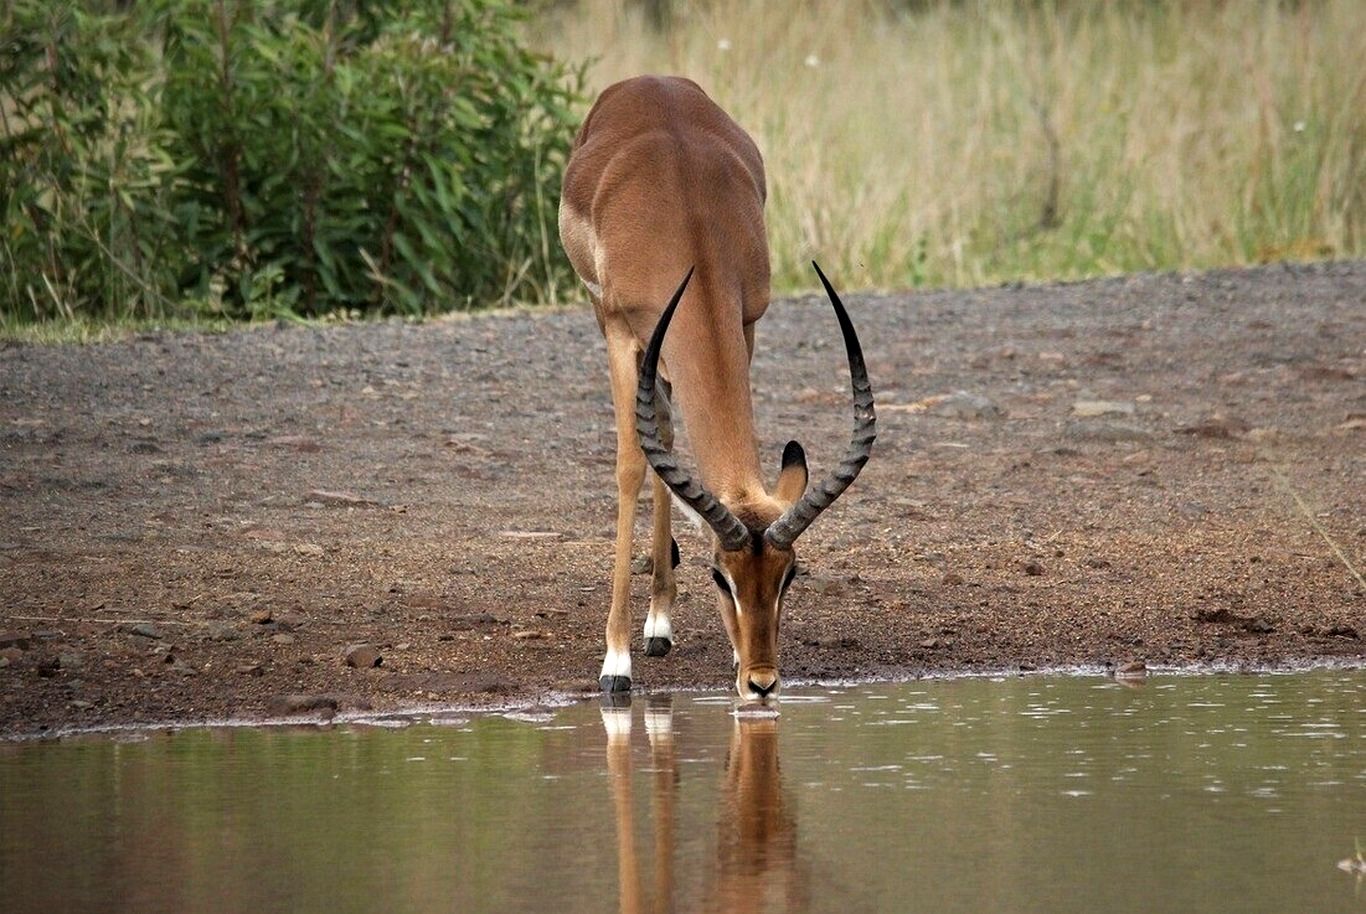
[663,185]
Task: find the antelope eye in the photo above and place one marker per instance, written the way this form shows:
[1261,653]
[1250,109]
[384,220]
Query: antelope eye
[720,580]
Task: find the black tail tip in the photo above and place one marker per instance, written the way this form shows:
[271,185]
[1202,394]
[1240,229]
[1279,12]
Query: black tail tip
[674,556]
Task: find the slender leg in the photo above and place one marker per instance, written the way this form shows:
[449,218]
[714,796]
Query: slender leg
[659,636]
[617,723]
[621,353]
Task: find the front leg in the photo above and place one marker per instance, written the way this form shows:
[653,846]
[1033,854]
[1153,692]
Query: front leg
[622,350]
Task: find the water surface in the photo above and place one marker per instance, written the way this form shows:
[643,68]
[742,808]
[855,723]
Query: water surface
[1192,793]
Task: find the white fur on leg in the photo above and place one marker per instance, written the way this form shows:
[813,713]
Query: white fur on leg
[657,626]
[616,663]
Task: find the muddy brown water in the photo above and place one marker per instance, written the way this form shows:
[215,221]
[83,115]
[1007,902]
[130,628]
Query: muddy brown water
[1178,793]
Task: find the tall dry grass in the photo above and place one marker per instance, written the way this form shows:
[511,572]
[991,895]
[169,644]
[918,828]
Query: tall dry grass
[978,142]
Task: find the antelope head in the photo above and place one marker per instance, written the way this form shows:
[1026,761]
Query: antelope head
[754,560]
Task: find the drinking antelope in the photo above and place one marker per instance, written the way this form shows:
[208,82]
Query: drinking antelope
[663,184]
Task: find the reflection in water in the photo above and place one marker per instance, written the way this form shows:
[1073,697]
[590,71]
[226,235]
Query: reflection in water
[1068,795]
[756,864]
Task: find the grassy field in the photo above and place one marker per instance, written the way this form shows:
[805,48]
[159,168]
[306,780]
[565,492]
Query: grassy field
[975,142]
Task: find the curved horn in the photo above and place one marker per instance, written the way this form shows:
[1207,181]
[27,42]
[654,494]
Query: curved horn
[785,530]
[731,533]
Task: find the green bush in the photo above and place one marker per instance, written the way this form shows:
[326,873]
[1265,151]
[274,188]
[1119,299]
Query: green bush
[248,159]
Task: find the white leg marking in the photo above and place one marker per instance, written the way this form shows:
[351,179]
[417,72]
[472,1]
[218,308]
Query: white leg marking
[657,626]
[617,723]
[593,288]
[616,663]
[734,657]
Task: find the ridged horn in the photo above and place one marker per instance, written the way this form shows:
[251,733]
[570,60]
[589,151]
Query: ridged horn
[729,531]
[784,531]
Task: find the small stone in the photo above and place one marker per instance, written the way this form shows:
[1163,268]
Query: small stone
[333,499]
[1343,631]
[468,621]
[260,617]
[286,705]
[403,646]
[642,564]
[1032,568]
[282,639]
[1216,427]
[1134,669]
[930,643]
[363,656]
[20,640]
[311,550]
[146,630]
[1090,409]
[1093,562]
[70,660]
[962,405]
[951,579]
[531,635]
[221,631]
[1258,626]
[80,704]
[251,669]
[1105,431]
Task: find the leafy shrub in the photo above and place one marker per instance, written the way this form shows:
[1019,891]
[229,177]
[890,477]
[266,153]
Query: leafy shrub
[250,159]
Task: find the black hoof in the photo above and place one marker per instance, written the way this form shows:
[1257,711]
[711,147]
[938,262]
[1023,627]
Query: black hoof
[656,647]
[615,683]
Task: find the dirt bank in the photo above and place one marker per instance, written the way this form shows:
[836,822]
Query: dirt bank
[1159,467]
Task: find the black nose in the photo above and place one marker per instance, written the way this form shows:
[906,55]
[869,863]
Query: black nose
[763,685]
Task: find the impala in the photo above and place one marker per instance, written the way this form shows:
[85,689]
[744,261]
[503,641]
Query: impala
[663,184]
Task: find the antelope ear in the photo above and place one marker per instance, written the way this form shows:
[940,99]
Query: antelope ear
[792,479]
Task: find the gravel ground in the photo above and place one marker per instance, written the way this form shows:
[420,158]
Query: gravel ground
[1162,468]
